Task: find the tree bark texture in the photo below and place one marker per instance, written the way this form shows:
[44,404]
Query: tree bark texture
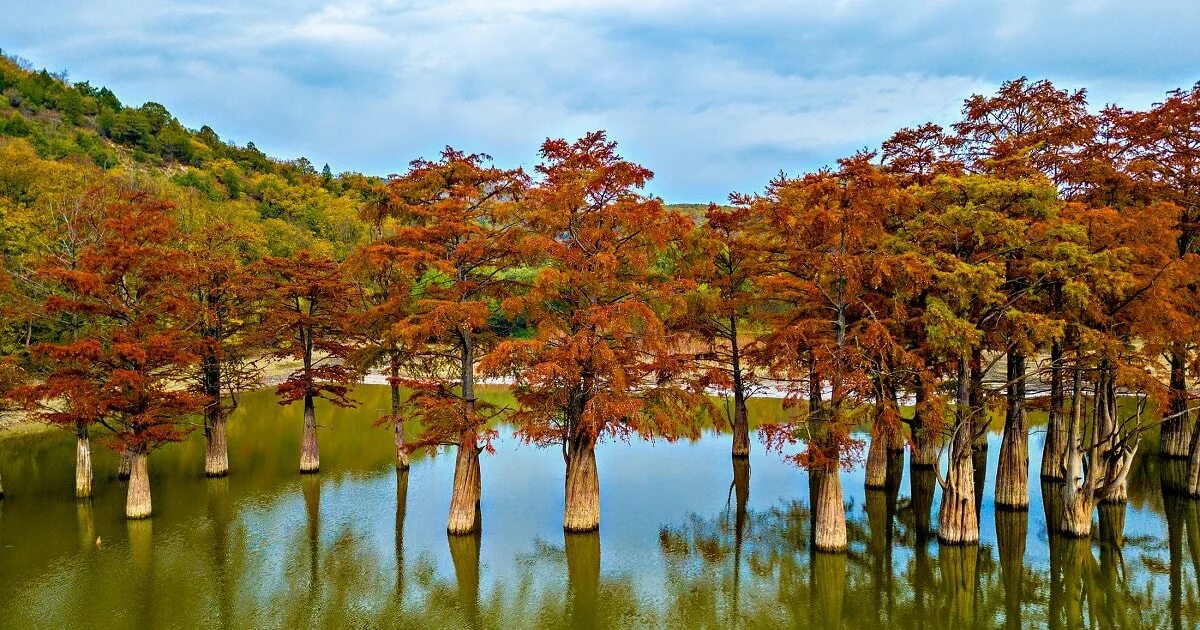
[310,450]
[464,500]
[137,498]
[582,510]
[1012,471]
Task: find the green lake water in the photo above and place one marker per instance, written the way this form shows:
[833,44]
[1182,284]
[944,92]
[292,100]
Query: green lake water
[687,540]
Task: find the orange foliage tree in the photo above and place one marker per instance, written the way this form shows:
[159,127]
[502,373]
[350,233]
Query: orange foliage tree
[831,281]
[455,231]
[725,306]
[120,369]
[605,358]
[305,306]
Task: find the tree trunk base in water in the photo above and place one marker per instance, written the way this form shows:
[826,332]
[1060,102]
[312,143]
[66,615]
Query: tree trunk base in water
[401,452]
[582,510]
[216,455]
[310,448]
[829,512]
[137,499]
[875,475]
[1076,521]
[83,467]
[741,439]
[464,500]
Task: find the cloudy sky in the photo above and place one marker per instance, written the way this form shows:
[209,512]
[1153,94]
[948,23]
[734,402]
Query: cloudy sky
[713,96]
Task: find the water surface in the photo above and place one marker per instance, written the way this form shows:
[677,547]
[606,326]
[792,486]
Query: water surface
[688,539]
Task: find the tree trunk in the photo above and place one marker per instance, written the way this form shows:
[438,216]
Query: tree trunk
[926,440]
[923,486]
[83,462]
[979,415]
[741,423]
[137,498]
[829,512]
[1052,505]
[310,450]
[1175,437]
[397,421]
[125,468]
[1012,471]
[464,500]
[216,456]
[1054,452]
[402,462]
[958,520]
[582,510]
[1192,485]
[1077,508]
[741,426]
[877,461]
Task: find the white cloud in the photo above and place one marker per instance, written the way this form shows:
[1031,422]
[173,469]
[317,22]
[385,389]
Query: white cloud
[713,96]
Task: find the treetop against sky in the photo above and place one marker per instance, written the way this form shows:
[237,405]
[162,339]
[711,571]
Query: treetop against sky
[716,97]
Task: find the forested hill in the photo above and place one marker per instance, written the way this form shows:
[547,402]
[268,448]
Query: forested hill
[54,132]
[56,135]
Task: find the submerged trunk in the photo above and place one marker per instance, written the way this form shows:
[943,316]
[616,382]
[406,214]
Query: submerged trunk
[1054,452]
[464,554]
[958,520]
[125,468]
[401,510]
[1175,436]
[216,456]
[1012,472]
[137,498]
[310,451]
[828,589]
[464,501]
[1078,502]
[583,577]
[829,512]
[1012,528]
[83,462]
[582,509]
[741,491]
[1077,508]
[959,566]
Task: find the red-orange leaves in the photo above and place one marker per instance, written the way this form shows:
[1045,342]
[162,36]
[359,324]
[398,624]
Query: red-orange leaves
[606,357]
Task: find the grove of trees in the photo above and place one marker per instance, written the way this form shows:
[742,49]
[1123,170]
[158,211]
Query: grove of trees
[1036,254]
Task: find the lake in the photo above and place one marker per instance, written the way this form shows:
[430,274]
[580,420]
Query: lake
[687,539]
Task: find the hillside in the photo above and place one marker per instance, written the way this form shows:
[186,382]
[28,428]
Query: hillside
[52,130]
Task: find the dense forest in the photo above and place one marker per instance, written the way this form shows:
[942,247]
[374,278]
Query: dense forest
[153,273]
